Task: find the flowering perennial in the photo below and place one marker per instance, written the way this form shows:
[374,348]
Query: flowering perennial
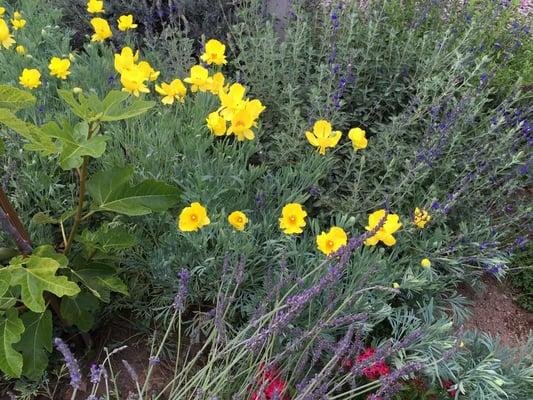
[384,234]
[331,241]
[323,136]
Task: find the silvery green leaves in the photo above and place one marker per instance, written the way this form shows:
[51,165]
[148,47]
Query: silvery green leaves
[111,191]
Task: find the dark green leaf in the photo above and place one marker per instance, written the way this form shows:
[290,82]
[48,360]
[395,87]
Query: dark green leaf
[111,192]
[79,310]
[11,328]
[101,280]
[108,238]
[36,343]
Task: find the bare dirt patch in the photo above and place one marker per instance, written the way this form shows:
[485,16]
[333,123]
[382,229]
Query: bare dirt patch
[494,311]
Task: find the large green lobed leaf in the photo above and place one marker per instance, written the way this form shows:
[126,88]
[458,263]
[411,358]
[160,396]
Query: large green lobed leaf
[111,191]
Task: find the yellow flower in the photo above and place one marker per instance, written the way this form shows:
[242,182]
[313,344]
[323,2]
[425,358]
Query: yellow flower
[216,83]
[174,90]
[133,81]
[125,22]
[292,219]
[193,218]
[59,67]
[358,138]
[148,71]
[216,124]
[255,108]
[331,241]
[6,39]
[384,234]
[199,79]
[231,100]
[323,136]
[18,22]
[395,285]
[241,123]
[30,78]
[20,49]
[421,218]
[425,263]
[214,53]
[238,220]
[95,6]
[2,11]
[102,31]
[126,59]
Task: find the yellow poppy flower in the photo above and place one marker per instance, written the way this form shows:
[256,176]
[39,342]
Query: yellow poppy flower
[126,59]
[199,79]
[255,108]
[238,220]
[216,83]
[6,39]
[30,78]
[384,234]
[2,11]
[425,263]
[174,90]
[59,67]
[216,124]
[95,6]
[214,53]
[148,71]
[331,241]
[292,219]
[18,22]
[231,100]
[421,218]
[20,49]
[358,138]
[102,31]
[395,285]
[133,81]
[241,123]
[323,136]
[193,218]
[125,22]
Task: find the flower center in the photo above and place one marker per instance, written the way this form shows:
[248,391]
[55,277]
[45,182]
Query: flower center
[330,243]
[239,123]
[239,220]
[194,217]
[292,219]
[214,56]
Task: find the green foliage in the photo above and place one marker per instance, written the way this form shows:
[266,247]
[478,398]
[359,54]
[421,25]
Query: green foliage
[521,276]
[423,78]
[36,343]
[111,191]
[33,279]
[11,328]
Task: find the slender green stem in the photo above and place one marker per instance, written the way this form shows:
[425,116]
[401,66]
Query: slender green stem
[79,210]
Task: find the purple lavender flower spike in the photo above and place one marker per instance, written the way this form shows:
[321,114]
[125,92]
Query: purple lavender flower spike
[70,362]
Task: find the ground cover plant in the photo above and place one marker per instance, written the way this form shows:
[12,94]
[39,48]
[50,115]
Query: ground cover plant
[289,208]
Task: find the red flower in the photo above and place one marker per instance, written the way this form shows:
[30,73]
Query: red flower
[447,385]
[379,368]
[270,386]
